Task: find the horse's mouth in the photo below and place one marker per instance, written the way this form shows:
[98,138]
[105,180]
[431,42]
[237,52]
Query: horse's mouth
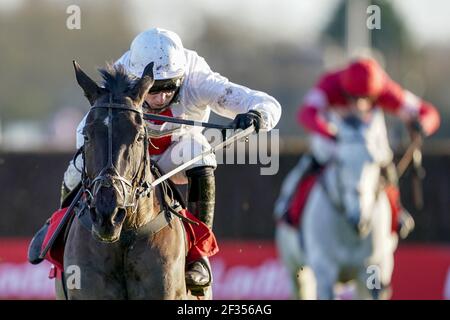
[105,238]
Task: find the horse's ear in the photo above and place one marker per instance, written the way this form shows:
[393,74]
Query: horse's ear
[91,90]
[143,84]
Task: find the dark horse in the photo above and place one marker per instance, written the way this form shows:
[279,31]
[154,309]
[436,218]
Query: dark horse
[122,242]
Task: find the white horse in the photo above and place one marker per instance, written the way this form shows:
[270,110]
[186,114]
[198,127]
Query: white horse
[346,226]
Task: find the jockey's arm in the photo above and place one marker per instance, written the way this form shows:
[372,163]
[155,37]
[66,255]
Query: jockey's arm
[72,176]
[80,127]
[229,99]
[408,107]
[310,114]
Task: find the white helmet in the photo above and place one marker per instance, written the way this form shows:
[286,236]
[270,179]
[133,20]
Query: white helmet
[161,46]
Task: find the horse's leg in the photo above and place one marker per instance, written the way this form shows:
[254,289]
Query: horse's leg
[288,247]
[318,229]
[307,285]
[374,282]
[378,281]
[371,286]
[367,286]
[326,274]
[59,290]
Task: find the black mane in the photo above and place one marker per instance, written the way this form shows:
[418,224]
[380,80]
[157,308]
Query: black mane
[116,79]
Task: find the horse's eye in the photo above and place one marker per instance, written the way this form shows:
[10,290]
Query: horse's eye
[86,138]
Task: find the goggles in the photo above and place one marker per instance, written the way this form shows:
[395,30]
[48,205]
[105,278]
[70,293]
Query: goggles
[166,85]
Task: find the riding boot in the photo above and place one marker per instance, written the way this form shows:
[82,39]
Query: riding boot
[202,193]
[198,275]
[201,201]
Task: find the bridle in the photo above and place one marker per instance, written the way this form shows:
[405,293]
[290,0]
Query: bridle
[109,175]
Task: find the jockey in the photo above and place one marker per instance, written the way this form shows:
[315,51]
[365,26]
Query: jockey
[358,88]
[186,87]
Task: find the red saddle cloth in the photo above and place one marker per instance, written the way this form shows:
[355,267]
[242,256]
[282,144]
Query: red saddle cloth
[56,253]
[201,241]
[299,199]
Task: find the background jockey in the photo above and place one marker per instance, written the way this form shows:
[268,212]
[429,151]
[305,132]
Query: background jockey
[358,88]
[186,87]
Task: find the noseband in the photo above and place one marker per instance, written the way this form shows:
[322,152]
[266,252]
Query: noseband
[109,176]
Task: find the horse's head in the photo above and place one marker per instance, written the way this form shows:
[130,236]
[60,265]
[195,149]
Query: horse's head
[357,174]
[116,162]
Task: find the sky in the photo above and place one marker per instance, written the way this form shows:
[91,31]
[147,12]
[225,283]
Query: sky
[290,19]
[294,20]
[299,19]
[428,20]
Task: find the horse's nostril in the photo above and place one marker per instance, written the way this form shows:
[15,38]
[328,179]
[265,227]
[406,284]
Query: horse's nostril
[120,216]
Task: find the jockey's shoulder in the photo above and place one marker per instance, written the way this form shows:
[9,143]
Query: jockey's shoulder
[195,62]
[330,79]
[330,86]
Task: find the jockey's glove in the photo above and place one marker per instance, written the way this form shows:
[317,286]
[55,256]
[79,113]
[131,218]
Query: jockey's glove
[245,120]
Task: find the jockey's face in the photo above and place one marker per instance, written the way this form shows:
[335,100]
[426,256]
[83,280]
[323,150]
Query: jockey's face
[159,100]
[361,104]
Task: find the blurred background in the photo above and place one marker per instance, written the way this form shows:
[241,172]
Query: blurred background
[280,47]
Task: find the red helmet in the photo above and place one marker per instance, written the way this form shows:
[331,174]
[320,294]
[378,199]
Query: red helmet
[363,78]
